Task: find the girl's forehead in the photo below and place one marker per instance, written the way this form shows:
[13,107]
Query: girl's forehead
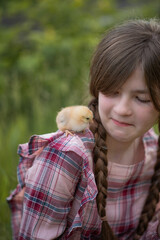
[136,82]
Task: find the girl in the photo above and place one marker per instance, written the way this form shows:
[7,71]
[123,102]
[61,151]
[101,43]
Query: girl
[104,183]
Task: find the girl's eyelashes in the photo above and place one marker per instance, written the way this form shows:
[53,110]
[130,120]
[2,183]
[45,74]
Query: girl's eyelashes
[113,93]
[143,100]
[116,93]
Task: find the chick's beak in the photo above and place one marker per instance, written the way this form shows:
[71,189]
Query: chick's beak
[91,120]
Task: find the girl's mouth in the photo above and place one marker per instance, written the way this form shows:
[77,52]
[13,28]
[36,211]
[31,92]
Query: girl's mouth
[121,124]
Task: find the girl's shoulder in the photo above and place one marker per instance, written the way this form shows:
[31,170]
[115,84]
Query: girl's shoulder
[55,145]
[150,139]
[78,142]
[151,134]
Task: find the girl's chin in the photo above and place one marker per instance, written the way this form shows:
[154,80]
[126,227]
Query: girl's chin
[121,137]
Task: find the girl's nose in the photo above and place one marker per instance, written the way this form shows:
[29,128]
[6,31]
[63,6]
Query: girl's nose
[123,106]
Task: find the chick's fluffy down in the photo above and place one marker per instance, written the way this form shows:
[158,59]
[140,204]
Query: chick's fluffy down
[74,118]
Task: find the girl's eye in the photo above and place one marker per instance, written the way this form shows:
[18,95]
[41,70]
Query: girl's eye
[115,93]
[112,94]
[143,100]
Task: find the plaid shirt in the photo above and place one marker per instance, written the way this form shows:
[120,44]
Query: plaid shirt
[60,190]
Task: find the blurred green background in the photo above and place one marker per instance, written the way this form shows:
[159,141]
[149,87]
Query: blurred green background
[45,52]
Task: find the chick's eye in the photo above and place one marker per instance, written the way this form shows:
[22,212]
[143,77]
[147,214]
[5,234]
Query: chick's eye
[87,118]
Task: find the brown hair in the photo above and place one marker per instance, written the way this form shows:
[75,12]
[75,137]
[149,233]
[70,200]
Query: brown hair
[118,54]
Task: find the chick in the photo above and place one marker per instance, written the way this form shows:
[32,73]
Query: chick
[74,119]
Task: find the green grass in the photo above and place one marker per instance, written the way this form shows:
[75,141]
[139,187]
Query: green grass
[10,138]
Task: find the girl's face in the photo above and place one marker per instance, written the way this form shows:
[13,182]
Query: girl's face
[128,113]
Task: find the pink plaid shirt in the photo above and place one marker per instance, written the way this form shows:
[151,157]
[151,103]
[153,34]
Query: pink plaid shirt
[60,190]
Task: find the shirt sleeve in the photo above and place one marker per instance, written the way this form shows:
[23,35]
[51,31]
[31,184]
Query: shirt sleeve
[50,188]
[15,201]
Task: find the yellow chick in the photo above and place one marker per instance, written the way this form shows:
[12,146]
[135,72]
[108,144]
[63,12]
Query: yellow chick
[74,119]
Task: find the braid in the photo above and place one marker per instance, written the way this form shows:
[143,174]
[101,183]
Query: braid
[152,198]
[100,170]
